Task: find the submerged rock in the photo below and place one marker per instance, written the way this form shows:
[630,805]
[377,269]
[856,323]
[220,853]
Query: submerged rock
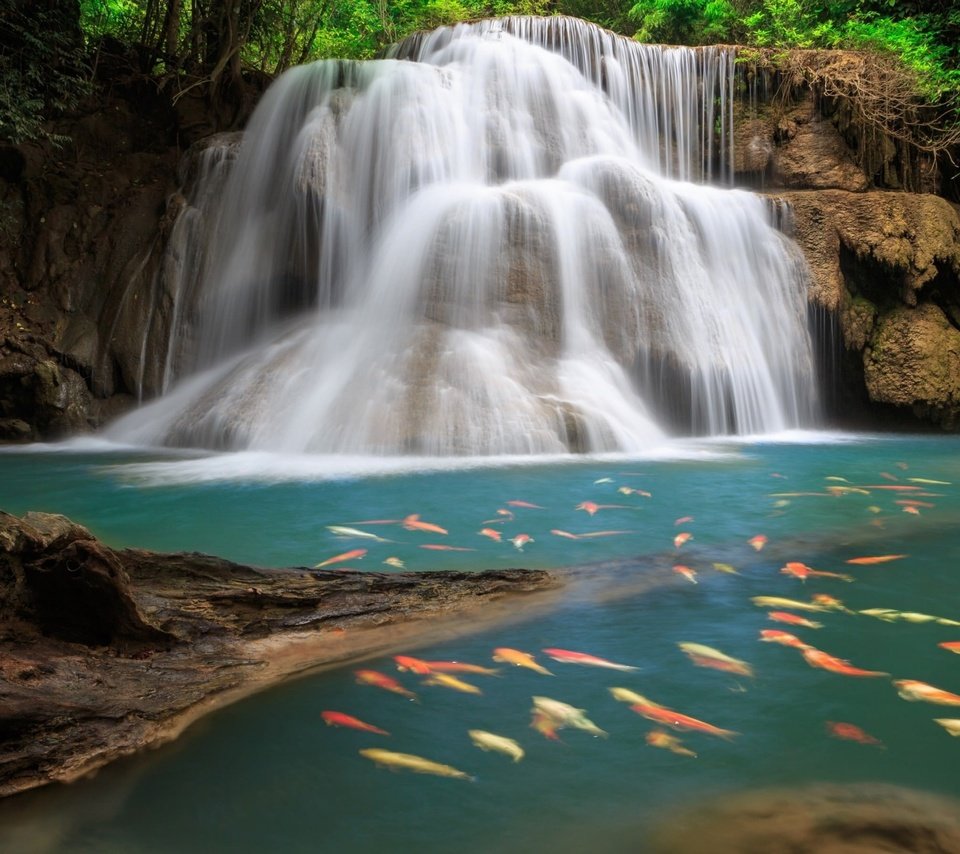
[105,652]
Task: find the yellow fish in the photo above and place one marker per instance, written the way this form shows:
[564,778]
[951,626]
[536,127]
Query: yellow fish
[445,680]
[725,567]
[951,725]
[625,695]
[779,602]
[395,562]
[659,738]
[707,656]
[500,743]
[409,762]
[505,655]
[927,480]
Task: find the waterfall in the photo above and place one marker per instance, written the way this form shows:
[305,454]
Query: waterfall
[487,243]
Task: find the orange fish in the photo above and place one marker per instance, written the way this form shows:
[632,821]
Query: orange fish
[803,572]
[526,504]
[678,721]
[851,732]
[784,638]
[681,538]
[603,534]
[414,665]
[951,646]
[492,534]
[341,719]
[592,508]
[516,657]
[911,689]
[557,532]
[505,516]
[830,602]
[910,502]
[435,547]
[545,725]
[520,541]
[758,542]
[886,475]
[659,738]
[460,667]
[793,620]
[912,510]
[351,555]
[686,572]
[683,520]
[567,656]
[381,680]
[819,658]
[867,561]
[413,523]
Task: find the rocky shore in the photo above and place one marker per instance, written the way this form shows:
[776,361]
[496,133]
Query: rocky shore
[106,652]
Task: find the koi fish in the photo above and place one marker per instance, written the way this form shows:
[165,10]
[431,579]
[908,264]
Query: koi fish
[793,620]
[491,533]
[414,665]
[355,554]
[545,725]
[505,516]
[950,646]
[891,616]
[682,520]
[681,538]
[803,572]
[873,509]
[847,490]
[678,721]
[460,667]
[951,725]
[818,658]
[851,732]
[445,680]
[659,738]
[517,658]
[758,542]
[725,567]
[834,477]
[625,695]
[707,656]
[784,638]
[891,488]
[887,476]
[439,547]
[779,602]
[413,523]
[381,680]
[603,480]
[520,541]
[409,762]
[912,502]
[913,511]
[565,715]
[831,603]
[914,691]
[686,572]
[341,719]
[591,508]
[341,531]
[928,481]
[487,741]
[566,656]
[603,534]
[525,504]
[566,534]
[395,562]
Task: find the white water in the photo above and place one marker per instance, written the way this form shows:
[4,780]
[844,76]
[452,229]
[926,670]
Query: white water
[486,250]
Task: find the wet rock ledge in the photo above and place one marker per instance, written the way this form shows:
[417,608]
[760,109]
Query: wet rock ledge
[106,652]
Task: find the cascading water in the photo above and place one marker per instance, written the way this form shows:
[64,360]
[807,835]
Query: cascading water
[485,245]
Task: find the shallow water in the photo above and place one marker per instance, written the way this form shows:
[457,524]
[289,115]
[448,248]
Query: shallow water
[266,774]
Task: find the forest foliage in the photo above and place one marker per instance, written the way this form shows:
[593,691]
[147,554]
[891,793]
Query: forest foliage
[49,49]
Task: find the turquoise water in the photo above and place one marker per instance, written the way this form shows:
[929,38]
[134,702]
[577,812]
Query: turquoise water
[267,775]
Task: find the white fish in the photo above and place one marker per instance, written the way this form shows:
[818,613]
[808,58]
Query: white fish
[951,725]
[500,743]
[564,715]
[340,531]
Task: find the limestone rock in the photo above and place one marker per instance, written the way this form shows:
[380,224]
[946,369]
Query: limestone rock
[913,360]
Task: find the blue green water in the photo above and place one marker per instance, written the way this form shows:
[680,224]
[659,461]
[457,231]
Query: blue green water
[267,775]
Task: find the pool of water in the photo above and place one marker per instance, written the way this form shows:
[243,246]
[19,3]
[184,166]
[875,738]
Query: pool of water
[267,775]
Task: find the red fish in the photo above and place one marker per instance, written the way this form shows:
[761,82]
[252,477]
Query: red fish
[678,721]
[825,661]
[435,547]
[683,520]
[492,534]
[520,541]
[525,504]
[867,561]
[908,502]
[414,665]
[784,638]
[566,534]
[793,619]
[803,572]
[545,725]
[686,572]
[351,555]
[851,732]
[567,656]
[681,538]
[592,508]
[950,646]
[381,680]
[758,542]
[413,523]
[341,719]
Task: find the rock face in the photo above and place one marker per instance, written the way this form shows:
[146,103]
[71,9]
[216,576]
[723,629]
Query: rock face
[104,653]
